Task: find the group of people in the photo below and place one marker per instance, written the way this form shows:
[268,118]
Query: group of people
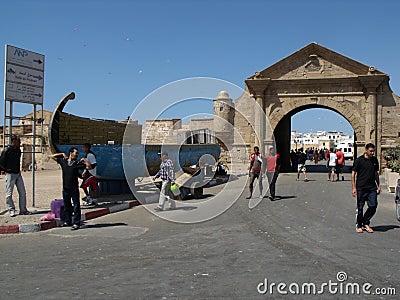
[364,178]
[335,164]
[260,166]
[335,161]
[72,169]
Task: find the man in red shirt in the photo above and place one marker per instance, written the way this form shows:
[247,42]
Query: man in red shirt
[272,170]
[340,163]
[255,171]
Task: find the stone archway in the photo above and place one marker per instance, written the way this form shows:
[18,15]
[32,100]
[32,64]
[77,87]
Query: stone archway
[282,129]
[316,76]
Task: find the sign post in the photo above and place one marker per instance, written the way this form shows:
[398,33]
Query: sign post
[24,82]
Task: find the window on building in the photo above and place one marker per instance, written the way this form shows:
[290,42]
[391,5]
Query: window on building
[221,108]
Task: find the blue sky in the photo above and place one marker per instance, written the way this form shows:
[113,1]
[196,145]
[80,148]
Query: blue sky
[114,53]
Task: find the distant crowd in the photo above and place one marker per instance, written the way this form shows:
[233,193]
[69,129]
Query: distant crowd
[334,158]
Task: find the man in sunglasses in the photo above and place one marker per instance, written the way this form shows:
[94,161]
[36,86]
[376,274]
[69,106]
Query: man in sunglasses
[71,166]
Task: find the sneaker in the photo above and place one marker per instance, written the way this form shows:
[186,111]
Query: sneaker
[12,213]
[65,224]
[261,196]
[157,208]
[87,200]
[26,213]
[75,227]
[94,201]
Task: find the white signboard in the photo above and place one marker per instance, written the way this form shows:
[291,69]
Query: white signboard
[25,58]
[24,93]
[24,76]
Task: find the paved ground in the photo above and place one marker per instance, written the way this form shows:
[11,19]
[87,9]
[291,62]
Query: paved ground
[306,236]
[47,188]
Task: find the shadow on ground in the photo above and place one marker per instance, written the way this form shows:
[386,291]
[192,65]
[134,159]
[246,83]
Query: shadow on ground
[384,228]
[278,198]
[104,225]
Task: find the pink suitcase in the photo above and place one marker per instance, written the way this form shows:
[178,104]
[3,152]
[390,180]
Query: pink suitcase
[57,208]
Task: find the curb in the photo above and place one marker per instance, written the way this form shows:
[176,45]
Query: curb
[36,227]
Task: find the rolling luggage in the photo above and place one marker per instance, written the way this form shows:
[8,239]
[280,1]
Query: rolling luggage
[57,208]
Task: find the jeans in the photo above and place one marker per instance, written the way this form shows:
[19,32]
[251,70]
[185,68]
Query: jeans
[253,176]
[272,178]
[67,195]
[11,180]
[164,195]
[370,196]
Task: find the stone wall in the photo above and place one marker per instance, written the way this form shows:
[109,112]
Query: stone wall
[42,147]
[196,124]
[244,134]
[161,131]
[389,109]
[46,117]
[77,130]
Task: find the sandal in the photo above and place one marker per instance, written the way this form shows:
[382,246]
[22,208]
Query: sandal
[359,230]
[368,229]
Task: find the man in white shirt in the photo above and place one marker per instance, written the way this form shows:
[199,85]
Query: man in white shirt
[331,165]
[89,176]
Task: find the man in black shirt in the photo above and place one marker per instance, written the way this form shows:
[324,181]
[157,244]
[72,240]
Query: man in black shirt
[365,184]
[10,163]
[301,167]
[70,172]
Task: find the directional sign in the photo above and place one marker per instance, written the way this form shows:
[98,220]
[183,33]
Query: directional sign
[24,93]
[25,58]
[24,76]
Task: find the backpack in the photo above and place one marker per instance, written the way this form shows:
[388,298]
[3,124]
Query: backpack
[3,158]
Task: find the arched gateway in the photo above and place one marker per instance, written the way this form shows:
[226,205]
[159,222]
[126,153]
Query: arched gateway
[316,76]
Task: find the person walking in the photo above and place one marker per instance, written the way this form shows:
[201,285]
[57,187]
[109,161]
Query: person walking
[70,166]
[366,186]
[89,176]
[10,163]
[255,171]
[340,163]
[293,160]
[167,175]
[331,165]
[322,154]
[316,157]
[302,166]
[272,170]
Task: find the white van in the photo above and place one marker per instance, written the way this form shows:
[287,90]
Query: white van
[348,152]
[347,149]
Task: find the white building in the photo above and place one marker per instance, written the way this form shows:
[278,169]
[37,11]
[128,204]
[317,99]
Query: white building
[321,140]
